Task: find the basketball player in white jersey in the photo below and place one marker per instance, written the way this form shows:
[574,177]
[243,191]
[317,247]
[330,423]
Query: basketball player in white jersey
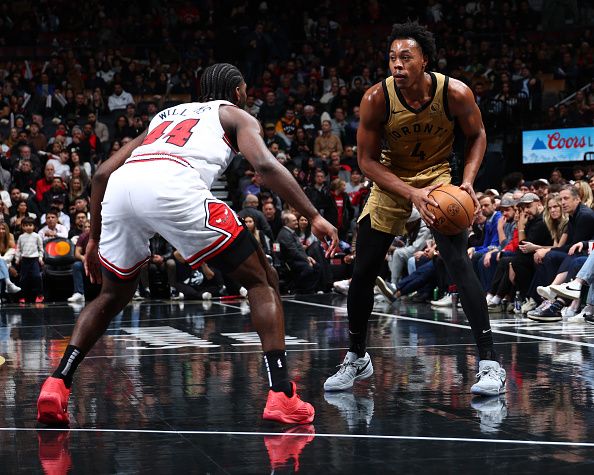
[160,183]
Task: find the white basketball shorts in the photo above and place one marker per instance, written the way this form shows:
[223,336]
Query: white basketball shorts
[167,197]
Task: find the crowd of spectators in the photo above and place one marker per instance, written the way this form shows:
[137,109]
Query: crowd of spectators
[77,83]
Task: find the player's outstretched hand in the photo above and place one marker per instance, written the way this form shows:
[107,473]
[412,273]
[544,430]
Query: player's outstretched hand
[324,231]
[467,187]
[92,265]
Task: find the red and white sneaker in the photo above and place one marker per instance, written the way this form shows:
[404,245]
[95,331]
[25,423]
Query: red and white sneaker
[52,404]
[288,410]
[283,447]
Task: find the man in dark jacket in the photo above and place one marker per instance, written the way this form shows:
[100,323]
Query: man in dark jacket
[305,270]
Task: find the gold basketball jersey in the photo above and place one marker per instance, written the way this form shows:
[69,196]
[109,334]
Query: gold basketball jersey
[418,147]
[417,139]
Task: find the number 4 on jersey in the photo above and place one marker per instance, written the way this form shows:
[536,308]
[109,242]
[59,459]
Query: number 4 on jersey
[417,152]
[178,135]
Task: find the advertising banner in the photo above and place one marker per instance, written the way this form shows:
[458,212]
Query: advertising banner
[556,145]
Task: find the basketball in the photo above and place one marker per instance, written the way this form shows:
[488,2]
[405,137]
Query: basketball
[455,210]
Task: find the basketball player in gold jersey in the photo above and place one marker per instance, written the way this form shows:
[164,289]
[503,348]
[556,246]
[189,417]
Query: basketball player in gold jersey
[413,112]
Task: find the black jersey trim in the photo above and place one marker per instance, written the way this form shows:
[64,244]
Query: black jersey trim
[387,98]
[446,106]
[424,106]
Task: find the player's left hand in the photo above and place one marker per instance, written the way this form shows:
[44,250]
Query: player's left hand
[467,187]
[322,229]
[92,265]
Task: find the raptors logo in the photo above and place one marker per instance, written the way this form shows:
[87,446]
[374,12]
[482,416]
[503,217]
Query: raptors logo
[453,209]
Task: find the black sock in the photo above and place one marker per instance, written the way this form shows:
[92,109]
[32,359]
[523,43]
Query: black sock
[278,376]
[488,354]
[70,361]
[357,343]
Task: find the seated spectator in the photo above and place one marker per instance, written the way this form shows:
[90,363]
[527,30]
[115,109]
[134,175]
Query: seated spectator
[318,193]
[78,269]
[119,99]
[100,129]
[79,171]
[339,211]
[60,164]
[58,206]
[7,253]
[273,140]
[22,211]
[56,192]
[287,125]
[304,233]
[24,178]
[44,183]
[162,260]
[272,216]
[52,228]
[417,235]
[78,226]
[250,208]
[327,142]
[259,236]
[122,129]
[539,227]
[76,190]
[305,270]
[4,212]
[29,256]
[80,205]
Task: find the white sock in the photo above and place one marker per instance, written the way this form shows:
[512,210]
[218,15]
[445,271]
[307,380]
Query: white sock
[496,300]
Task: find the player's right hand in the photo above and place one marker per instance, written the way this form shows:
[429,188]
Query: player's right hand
[420,198]
[323,230]
[91,262]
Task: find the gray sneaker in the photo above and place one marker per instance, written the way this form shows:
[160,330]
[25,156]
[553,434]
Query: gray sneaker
[490,379]
[352,369]
[385,288]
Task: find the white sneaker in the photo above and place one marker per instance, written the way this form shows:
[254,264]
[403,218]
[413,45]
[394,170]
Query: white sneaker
[342,286]
[545,292]
[529,304]
[445,301]
[570,290]
[77,297]
[206,296]
[490,379]
[12,288]
[580,317]
[352,369]
[568,312]
[137,296]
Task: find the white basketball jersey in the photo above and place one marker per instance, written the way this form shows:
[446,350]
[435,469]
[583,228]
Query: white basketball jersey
[191,135]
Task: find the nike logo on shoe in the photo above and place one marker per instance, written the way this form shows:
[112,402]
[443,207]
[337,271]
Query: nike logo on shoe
[487,331]
[360,370]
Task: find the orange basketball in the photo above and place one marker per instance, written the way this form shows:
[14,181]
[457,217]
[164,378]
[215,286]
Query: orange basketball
[455,212]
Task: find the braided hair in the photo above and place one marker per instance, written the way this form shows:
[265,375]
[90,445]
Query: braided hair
[219,81]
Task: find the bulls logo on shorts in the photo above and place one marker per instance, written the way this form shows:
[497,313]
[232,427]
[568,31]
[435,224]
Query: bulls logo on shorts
[219,218]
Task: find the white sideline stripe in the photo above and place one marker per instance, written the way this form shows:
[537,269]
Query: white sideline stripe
[456,325]
[320,435]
